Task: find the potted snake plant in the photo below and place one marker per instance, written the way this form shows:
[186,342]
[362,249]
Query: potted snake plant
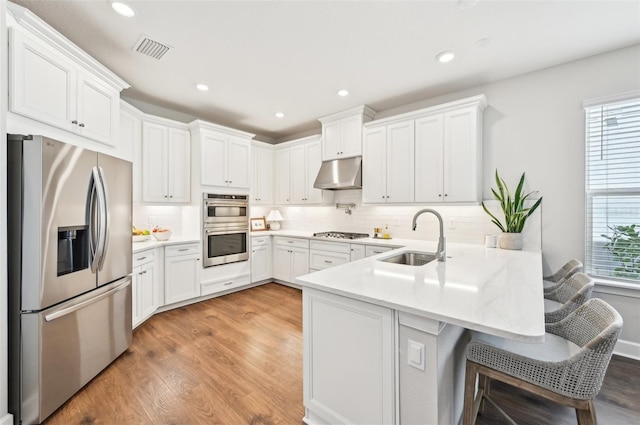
[514,210]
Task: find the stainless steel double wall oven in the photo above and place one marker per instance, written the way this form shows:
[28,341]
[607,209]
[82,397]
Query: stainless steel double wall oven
[225,221]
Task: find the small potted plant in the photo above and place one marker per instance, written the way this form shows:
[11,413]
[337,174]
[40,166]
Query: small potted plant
[515,213]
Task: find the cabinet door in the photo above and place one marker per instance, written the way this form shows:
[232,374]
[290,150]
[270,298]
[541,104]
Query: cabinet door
[298,175]
[260,263]
[400,162]
[213,159]
[136,288]
[313,162]
[131,135]
[238,163]
[461,156]
[98,108]
[179,165]
[374,176]
[357,252]
[331,140]
[42,83]
[181,278]
[283,176]
[146,291]
[281,263]
[348,350]
[262,187]
[299,262]
[154,162]
[351,133]
[428,159]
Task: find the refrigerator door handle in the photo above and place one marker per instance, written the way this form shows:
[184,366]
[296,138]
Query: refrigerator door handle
[93,219]
[104,222]
[68,310]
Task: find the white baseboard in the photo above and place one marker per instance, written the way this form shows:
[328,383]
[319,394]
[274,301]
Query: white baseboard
[627,349]
[6,419]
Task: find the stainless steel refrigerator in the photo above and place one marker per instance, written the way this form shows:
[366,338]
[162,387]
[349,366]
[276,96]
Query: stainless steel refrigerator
[69,234]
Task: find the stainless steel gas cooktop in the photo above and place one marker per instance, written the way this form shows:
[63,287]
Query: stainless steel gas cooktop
[341,235]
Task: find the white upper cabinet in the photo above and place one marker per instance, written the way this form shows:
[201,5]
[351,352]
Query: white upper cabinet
[296,167]
[131,137]
[166,163]
[262,180]
[224,155]
[342,133]
[432,155]
[55,83]
[388,163]
[449,156]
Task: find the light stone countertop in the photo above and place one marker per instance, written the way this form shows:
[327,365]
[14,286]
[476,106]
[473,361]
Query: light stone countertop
[152,243]
[495,291]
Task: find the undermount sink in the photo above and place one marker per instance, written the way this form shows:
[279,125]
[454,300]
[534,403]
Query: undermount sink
[411,258]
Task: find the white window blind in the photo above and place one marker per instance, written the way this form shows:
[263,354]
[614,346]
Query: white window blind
[613,190]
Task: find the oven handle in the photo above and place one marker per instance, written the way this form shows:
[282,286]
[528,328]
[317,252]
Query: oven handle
[225,204]
[225,231]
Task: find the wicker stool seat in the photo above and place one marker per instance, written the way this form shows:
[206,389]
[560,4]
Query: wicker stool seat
[568,368]
[571,294]
[555,280]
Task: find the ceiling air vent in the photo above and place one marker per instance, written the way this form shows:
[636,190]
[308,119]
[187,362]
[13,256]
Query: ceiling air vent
[150,47]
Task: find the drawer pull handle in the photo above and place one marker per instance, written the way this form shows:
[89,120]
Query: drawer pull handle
[289,241]
[228,283]
[141,258]
[328,262]
[183,249]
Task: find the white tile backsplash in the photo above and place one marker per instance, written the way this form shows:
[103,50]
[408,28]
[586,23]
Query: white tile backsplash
[183,221]
[462,224]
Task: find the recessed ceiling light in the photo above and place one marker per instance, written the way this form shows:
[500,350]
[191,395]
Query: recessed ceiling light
[446,56]
[279,114]
[122,9]
[343,92]
[202,87]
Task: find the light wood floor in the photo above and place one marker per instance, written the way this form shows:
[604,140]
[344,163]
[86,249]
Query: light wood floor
[237,360]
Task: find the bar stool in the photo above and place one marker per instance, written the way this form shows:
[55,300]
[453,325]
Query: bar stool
[571,294]
[568,368]
[552,282]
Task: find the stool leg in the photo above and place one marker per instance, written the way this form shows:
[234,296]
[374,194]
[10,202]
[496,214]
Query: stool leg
[469,392]
[484,386]
[587,416]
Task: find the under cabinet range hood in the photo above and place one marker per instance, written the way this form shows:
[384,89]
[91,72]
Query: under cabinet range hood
[338,174]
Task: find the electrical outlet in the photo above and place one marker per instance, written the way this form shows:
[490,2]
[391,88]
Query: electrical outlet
[452,223]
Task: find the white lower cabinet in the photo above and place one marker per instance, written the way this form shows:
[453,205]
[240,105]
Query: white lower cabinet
[357,251]
[323,255]
[261,263]
[348,361]
[290,258]
[181,269]
[143,290]
[375,250]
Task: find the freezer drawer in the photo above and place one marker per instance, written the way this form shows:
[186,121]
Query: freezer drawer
[70,344]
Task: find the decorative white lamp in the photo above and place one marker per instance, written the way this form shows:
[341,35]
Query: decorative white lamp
[275,218]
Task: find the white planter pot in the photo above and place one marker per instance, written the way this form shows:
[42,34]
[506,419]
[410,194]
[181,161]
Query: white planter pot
[510,241]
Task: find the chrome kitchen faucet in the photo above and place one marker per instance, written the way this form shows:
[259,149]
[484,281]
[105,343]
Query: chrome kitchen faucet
[441,254]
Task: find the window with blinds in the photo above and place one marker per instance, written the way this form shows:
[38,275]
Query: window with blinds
[613,190]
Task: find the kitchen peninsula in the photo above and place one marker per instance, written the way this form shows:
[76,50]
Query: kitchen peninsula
[384,343]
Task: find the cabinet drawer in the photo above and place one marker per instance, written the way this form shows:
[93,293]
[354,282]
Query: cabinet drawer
[175,250]
[261,241]
[220,285]
[330,246]
[374,250]
[322,259]
[292,242]
[143,257]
